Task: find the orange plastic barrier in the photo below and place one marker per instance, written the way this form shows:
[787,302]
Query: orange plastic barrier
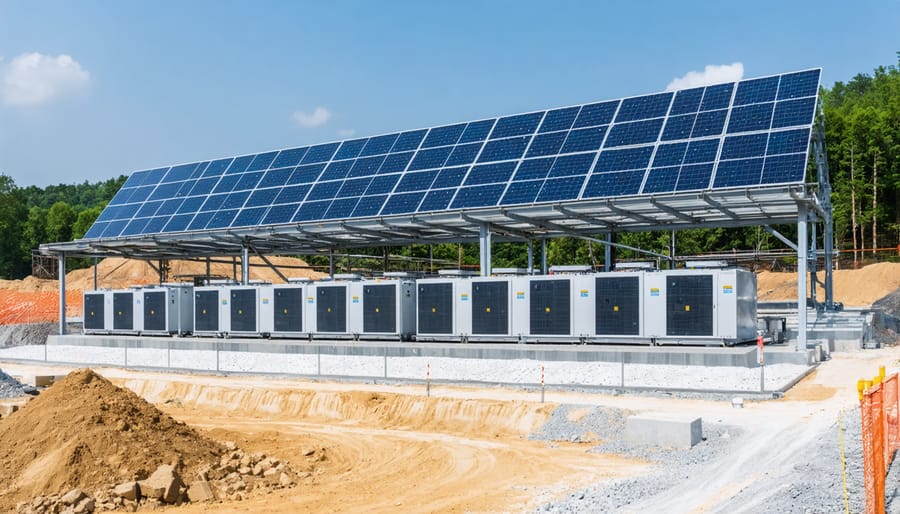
[36,306]
[880,437]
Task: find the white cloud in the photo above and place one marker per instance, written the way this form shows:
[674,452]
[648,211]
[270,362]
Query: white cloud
[34,78]
[346,132]
[711,74]
[318,117]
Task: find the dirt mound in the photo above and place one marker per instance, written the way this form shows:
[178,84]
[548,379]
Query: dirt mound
[85,432]
[860,287]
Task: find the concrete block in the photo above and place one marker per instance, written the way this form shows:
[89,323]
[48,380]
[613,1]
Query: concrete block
[40,380]
[163,484]
[200,491]
[6,410]
[667,430]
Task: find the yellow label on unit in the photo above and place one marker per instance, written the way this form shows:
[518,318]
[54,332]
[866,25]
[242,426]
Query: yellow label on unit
[377,309]
[615,308]
[433,309]
[687,308]
[487,309]
[546,309]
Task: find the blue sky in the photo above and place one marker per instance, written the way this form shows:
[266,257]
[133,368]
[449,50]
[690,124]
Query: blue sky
[90,90]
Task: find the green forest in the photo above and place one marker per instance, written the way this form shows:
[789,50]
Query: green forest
[862,129]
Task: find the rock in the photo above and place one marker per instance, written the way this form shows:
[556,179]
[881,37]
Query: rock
[244,470]
[246,461]
[6,410]
[85,506]
[200,491]
[258,470]
[72,497]
[269,473]
[230,446]
[285,480]
[165,479]
[309,453]
[127,491]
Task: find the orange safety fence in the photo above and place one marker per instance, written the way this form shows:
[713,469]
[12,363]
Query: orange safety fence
[36,306]
[879,410]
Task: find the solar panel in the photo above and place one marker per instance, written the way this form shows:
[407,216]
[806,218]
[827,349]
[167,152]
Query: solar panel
[749,133]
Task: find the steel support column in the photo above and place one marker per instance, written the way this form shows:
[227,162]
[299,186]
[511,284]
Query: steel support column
[608,253]
[672,250]
[62,293]
[530,257]
[484,247]
[331,265]
[802,246]
[544,257]
[812,264]
[245,265]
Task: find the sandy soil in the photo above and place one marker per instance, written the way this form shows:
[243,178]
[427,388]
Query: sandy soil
[859,287]
[383,448]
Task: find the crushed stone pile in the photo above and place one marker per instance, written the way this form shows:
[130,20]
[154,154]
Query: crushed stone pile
[10,387]
[26,333]
[85,445]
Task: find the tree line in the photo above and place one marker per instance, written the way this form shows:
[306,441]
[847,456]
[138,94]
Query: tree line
[862,133]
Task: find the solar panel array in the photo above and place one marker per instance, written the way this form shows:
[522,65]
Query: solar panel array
[748,133]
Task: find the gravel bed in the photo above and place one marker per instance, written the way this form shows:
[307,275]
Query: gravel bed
[10,387]
[26,333]
[609,424]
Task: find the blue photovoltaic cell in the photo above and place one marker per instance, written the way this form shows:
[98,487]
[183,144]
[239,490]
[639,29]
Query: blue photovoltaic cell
[341,208]
[350,149]
[784,168]
[583,140]
[437,200]
[548,144]
[419,181]
[450,177]
[644,107]
[756,91]
[292,194]
[797,85]
[431,158]
[366,167]
[239,164]
[477,131]
[679,127]
[661,180]
[442,136]
[594,150]
[262,161]
[263,197]
[794,112]
[280,214]
[324,190]
[504,149]
[534,168]
[402,203]
[478,196]
[464,154]
[626,159]
[337,170]
[559,119]
[379,145]
[717,97]
[395,162]
[382,184]
[596,114]
[577,164]
[409,141]
[309,211]
[739,147]
[320,153]
[686,101]
[556,189]
[701,151]
[490,173]
[275,177]
[369,206]
[356,187]
[709,123]
[289,157]
[740,172]
[695,176]
[669,155]
[522,192]
[613,184]
[249,217]
[750,118]
[517,125]
[634,133]
[217,168]
[787,141]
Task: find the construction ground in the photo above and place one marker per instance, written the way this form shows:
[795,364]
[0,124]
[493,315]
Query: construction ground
[286,444]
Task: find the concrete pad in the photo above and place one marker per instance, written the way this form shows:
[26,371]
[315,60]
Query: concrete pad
[668,430]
